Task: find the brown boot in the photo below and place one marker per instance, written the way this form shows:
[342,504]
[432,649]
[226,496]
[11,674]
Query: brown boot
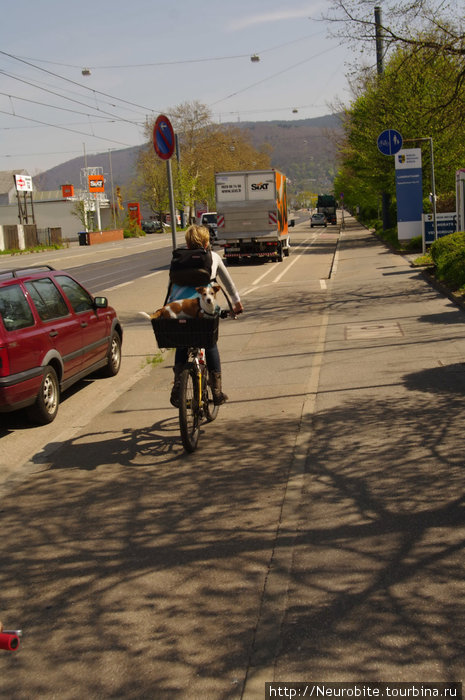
[174,398]
[215,383]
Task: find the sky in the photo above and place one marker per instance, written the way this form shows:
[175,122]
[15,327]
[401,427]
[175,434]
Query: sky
[147,56]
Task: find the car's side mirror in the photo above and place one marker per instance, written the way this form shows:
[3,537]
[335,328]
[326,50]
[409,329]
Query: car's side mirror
[100,302]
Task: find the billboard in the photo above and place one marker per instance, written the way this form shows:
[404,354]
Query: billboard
[409,193]
[96,183]
[23,183]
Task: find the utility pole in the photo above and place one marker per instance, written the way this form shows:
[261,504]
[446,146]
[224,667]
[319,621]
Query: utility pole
[386,200]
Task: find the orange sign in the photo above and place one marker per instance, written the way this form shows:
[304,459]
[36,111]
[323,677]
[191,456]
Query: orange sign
[96,183]
[67,190]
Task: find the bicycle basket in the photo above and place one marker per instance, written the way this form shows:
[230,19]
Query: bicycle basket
[186,332]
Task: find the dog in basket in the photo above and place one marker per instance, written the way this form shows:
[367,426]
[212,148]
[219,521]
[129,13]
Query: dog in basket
[203,305]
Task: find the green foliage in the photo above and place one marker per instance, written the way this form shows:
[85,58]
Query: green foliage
[411,97]
[424,260]
[132,229]
[153,360]
[448,254]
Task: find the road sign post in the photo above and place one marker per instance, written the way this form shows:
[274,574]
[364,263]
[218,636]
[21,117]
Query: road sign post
[164,143]
[389,143]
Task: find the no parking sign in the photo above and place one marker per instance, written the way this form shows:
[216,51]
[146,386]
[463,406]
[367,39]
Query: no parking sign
[163,138]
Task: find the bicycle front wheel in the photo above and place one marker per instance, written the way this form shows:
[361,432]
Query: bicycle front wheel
[189,409]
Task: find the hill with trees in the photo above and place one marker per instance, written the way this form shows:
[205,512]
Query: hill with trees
[305,150]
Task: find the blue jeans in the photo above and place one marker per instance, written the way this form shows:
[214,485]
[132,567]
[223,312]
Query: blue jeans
[212,357]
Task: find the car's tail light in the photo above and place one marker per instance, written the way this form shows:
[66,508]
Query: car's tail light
[4,362]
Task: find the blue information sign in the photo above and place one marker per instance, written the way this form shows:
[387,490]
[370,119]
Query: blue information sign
[163,137]
[389,142]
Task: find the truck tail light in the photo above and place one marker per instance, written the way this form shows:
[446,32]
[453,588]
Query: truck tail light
[4,362]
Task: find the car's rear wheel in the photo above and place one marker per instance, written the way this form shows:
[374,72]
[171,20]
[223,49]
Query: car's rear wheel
[114,356]
[45,408]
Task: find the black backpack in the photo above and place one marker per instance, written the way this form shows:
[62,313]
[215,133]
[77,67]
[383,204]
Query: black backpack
[191,267]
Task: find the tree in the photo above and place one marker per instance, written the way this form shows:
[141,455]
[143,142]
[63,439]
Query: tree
[426,24]
[204,148]
[404,100]
[419,27]
[151,183]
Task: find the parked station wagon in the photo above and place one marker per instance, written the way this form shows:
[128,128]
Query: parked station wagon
[53,332]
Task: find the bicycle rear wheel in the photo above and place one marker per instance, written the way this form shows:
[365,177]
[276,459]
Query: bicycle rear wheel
[189,409]
[211,409]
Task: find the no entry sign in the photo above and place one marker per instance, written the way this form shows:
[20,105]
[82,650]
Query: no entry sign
[163,138]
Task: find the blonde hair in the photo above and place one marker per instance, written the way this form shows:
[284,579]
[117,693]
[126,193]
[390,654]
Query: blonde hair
[197,236]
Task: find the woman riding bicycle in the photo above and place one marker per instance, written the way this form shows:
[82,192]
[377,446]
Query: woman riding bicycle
[199,237]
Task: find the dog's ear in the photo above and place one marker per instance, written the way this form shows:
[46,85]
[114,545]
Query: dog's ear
[216,288]
[200,290]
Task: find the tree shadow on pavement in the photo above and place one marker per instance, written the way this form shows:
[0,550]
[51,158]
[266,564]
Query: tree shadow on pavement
[136,570]
[377,585]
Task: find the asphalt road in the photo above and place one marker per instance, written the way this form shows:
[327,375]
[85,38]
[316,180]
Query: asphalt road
[318,531]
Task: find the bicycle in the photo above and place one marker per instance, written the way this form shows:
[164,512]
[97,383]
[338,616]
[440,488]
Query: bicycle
[195,394]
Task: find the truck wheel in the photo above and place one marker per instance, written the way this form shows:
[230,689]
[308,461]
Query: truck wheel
[279,257]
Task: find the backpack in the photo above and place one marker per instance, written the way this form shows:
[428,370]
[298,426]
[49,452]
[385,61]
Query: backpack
[191,267]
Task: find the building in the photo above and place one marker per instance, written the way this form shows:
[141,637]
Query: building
[50,210]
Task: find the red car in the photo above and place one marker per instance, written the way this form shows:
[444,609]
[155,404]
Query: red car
[53,332]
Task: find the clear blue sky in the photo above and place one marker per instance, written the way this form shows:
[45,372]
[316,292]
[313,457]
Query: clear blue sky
[148,56]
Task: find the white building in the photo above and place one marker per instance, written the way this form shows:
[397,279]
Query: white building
[51,209]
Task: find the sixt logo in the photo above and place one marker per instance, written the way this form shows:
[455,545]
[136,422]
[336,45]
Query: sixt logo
[260,185]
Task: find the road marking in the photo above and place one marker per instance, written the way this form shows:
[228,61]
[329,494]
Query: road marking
[323,284]
[273,269]
[274,602]
[118,286]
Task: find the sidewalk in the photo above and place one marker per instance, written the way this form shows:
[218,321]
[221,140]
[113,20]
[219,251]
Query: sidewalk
[375,591]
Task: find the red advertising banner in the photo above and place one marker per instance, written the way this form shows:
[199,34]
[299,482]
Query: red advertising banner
[134,211]
[67,190]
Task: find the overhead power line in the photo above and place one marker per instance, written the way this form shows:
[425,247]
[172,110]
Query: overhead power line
[74,82]
[64,128]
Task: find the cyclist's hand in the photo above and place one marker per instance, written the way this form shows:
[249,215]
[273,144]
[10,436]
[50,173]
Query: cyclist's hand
[238,308]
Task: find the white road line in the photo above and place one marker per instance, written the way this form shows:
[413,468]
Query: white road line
[323,284]
[287,267]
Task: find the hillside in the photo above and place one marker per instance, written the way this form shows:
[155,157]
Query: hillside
[303,149]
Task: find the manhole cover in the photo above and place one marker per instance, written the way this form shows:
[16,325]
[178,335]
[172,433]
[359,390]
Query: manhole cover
[360,331]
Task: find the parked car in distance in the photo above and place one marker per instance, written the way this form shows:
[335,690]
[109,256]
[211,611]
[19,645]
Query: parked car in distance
[153,226]
[53,332]
[318,220]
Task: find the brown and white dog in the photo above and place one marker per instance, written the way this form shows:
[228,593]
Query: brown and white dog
[204,305]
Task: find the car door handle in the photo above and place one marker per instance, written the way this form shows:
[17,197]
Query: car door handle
[84,324]
[53,334]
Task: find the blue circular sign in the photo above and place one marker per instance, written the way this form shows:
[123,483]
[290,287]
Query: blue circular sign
[389,142]
[163,137]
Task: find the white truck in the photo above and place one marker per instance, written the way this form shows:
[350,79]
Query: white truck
[252,219]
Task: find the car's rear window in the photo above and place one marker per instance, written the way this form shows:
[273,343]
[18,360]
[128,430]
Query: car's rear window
[14,309]
[47,299]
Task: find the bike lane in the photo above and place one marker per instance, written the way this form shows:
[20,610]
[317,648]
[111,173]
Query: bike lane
[374,591]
